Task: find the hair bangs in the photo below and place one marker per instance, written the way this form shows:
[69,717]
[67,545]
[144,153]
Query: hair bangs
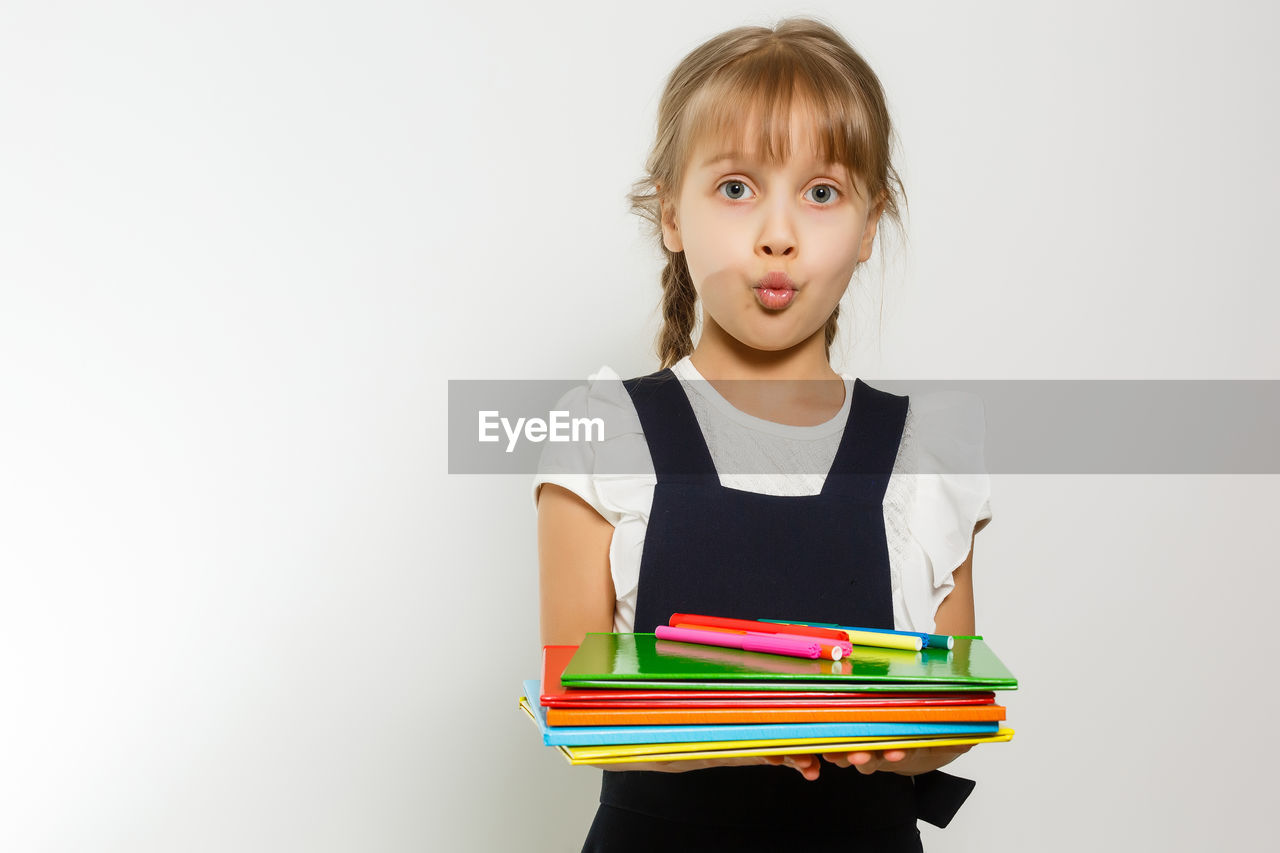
[748,110]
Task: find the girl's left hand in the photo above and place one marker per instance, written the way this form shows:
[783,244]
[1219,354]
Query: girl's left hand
[905,762]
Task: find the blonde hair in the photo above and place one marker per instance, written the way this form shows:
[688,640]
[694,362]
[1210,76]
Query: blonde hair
[757,70]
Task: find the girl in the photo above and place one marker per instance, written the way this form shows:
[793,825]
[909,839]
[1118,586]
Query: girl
[767,182]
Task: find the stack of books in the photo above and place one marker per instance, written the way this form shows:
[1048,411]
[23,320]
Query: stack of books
[624,698]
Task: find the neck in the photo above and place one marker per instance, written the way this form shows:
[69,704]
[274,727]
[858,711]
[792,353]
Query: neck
[810,391]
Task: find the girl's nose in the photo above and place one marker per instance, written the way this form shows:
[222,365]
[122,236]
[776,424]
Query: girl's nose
[779,246]
[777,234]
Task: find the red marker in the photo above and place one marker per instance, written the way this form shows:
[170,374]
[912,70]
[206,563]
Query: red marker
[827,634]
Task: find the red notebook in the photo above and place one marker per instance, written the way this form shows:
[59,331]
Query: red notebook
[555,695]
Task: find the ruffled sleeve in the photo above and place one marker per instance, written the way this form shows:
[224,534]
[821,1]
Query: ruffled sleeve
[951,497]
[613,475]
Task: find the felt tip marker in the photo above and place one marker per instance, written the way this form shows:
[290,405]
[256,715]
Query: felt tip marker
[764,627]
[831,649]
[931,641]
[796,647]
[880,639]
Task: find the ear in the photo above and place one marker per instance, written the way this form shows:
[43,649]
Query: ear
[670,227]
[869,232]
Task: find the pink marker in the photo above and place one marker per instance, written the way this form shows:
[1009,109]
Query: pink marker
[829,650]
[774,645]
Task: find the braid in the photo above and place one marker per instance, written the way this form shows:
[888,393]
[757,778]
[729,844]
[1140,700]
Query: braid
[679,300]
[831,330]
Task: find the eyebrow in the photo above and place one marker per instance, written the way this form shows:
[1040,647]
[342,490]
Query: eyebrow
[727,155]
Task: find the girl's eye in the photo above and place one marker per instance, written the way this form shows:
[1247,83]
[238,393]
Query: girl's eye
[736,188]
[828,193]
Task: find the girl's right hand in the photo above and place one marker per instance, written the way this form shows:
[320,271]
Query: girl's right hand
[806,765]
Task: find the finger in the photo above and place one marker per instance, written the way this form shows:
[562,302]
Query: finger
[866,762]
[895,755]
[808,766]
[839,759]
[797,762]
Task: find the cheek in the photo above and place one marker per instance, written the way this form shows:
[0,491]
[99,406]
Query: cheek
[715,252]
[702,261]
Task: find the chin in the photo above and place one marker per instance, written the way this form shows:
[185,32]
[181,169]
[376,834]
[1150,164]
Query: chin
[770,343]
[773,340]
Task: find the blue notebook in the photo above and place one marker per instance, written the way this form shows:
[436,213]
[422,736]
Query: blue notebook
[613,735]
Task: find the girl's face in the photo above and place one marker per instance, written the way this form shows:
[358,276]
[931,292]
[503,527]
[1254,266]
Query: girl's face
[771,247]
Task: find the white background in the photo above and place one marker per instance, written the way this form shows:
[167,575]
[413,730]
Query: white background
[243,247]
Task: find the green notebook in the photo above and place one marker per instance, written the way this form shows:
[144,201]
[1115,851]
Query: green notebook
[644,661]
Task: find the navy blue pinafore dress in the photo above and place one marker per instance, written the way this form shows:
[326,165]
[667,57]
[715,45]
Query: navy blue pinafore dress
[727,552]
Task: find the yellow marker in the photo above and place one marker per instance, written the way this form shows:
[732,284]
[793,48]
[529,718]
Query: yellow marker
[884,641]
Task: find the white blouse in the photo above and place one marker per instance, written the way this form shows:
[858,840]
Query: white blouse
[937,499]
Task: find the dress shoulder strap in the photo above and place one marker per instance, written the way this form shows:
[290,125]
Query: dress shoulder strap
[670,427]
[869,445]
